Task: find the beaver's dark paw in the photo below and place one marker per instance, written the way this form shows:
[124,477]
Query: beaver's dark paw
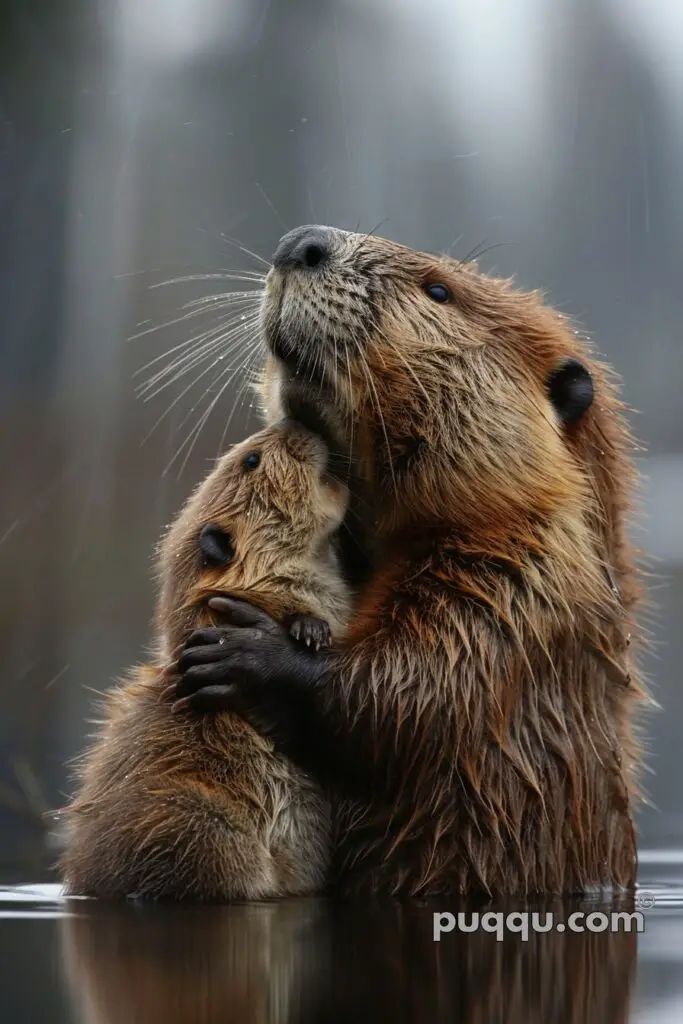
[250,665]
[310,631]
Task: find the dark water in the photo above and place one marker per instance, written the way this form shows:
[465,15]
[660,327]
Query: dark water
[318,960]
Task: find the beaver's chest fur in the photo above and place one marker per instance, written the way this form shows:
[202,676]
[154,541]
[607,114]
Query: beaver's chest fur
[497,732]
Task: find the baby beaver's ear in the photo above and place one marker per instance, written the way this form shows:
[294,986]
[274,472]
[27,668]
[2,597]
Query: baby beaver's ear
[216,545]
[570,388]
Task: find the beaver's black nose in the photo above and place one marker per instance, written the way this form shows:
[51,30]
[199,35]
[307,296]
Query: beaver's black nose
[309,246]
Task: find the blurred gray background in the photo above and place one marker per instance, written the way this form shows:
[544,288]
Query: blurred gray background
[136,135]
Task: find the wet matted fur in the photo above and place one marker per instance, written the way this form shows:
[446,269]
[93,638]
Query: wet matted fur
[202,807]
[487,685]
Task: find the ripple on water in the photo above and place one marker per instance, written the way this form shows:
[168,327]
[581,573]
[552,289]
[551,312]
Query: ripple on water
[41,900]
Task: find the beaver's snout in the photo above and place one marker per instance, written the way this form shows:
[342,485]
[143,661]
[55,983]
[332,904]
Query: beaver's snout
[321,302]
[308,247]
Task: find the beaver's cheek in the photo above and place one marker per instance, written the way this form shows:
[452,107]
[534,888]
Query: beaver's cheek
[275,286]
[270,390]
[334,500]
[186,616]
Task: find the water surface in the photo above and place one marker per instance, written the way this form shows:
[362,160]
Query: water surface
[78,960]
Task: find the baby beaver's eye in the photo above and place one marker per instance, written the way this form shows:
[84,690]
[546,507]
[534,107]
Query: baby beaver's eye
[438,292]
[216,545]
[251,460]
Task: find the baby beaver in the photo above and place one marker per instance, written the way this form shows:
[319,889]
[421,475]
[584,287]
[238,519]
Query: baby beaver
[203,807]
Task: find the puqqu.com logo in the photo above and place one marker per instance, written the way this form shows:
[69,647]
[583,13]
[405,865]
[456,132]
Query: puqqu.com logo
[525,923]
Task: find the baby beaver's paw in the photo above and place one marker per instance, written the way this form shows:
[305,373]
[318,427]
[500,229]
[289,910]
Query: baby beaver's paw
[310,631]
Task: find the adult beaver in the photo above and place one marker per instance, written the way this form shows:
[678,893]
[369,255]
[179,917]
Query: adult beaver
[485,693]
[175,806]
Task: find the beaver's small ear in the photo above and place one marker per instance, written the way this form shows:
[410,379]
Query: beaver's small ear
[216,545]
[570,388]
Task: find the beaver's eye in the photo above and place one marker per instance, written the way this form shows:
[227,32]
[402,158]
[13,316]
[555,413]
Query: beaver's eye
[438,292]
[216,545]
[251,460]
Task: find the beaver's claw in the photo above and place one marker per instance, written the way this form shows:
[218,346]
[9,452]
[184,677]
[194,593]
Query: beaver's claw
[310,631]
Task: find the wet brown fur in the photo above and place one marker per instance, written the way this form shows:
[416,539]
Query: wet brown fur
[202,807]
[487,681]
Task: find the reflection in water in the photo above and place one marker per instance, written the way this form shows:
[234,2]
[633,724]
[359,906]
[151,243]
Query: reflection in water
[244,963]
[312,960]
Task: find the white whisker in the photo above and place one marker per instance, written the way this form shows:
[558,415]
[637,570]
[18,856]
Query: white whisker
[229,298]
[373,389]
[350,401]
[189,315]
[408,367]
[196,430]
[223,344]
[243,248]
[248,276]
[190,341]
[248,367]
[205,343]
[180,367]
[271,204]
[248,357]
